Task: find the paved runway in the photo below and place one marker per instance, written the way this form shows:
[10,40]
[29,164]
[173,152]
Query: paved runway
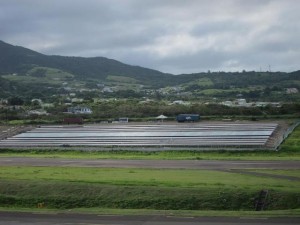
[240,135]
[19,218]
[172,164]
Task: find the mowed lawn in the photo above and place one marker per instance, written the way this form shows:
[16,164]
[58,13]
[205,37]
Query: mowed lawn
[147,177]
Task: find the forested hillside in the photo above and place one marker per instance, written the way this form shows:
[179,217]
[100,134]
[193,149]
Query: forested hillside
[15,59]
[29,73]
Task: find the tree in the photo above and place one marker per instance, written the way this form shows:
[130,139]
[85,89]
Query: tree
[15,101]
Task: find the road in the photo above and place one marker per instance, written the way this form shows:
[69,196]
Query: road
[20,218]
[159,164]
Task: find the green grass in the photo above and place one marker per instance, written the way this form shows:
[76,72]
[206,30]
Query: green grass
[24,79]
[292,173]
[204,82]
[165,155]
[223,91]
[69,187]
[67,194]
[292,143]
[121,79]
[183,213]
[51,75]
[147,177]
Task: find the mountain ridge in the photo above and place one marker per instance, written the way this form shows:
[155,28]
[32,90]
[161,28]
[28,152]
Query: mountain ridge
[25,71]
[17,59]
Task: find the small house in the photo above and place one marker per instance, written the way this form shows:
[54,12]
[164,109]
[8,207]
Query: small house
[123,119]
[80,110]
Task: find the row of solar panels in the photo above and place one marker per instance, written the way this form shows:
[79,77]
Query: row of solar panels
[260,126]
[136,142]
[163,135]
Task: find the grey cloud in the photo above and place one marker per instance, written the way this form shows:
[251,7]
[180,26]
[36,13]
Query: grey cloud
[219,27]
[202,61]
[215,34]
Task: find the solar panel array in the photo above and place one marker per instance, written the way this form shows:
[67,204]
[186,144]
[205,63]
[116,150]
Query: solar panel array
[193,135]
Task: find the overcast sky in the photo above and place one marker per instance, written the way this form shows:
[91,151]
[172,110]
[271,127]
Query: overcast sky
[174,36]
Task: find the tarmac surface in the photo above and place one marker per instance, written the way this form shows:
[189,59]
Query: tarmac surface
[20,218]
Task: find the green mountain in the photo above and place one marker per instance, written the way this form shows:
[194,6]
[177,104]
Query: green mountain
[15,59]
[25,71]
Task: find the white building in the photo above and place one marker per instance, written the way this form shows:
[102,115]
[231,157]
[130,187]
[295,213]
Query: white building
[292,91]
[107,89]
[180,102]
[80,110]
[38,112]
[39,101]
[227,103]
[76,100]
[242,102]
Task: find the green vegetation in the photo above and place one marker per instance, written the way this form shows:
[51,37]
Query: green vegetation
[68,187]
[292,173]
[198,83]
[24,79]
[213,213]
[81,68]
[41,75]
[146,177]
[58,80]
[292,143]
[121,79]
[50,73]
[166,155]
[23,66]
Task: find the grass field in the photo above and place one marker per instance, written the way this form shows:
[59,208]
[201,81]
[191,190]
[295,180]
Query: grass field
[292,143]
[183,213]
[121,79]
[292,173]
[167,155]
[147,177]
[141,188]
[202,82]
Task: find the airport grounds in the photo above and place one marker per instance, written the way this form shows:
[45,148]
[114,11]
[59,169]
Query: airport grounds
[72,186]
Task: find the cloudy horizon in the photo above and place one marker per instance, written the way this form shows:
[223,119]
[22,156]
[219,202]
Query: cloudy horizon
[171,36]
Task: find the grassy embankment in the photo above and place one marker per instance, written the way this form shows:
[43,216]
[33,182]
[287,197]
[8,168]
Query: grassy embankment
[66,187]
[177,213]
[164,155]
[156,155]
